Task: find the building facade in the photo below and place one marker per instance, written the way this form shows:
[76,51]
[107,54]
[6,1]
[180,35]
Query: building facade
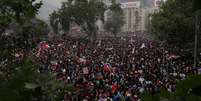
[136,14]
[133,16]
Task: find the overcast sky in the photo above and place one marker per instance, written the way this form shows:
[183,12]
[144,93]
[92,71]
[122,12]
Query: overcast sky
[48,7]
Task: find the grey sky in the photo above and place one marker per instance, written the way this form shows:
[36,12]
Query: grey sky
[48,7]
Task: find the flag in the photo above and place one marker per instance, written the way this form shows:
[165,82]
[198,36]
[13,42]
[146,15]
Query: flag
[82,60]
[114,88]
[44,45]
[17,55]
[199,70]
[99,43]
[107,68]
[85,70]
[173,56]
[143,46]
[133,50]
[59,45]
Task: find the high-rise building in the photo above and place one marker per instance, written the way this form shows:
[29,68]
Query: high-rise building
[133,15]
[136,14]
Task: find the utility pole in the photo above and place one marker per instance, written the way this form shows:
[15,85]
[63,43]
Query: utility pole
[197,26]
[196,8]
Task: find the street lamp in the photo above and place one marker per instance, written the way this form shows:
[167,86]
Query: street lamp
[196,7]
[196,39]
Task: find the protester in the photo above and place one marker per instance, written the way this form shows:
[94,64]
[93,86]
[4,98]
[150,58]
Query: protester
[112,69]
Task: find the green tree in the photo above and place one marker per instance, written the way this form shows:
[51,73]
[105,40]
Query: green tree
[54,22]
[174,22]
[114,20]
[84,13]
[17,13]
[17,10]
[25,36]
[26,83]
[187,90]
[33,31]
[13,89]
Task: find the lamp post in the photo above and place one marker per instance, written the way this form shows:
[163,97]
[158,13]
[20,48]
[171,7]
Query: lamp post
[196,38]
[196,8]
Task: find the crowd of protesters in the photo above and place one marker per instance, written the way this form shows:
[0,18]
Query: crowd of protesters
[112,69]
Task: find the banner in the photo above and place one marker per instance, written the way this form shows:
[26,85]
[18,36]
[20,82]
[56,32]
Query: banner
[135,4]
[85,70]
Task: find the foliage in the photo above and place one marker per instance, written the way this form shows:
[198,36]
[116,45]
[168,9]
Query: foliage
[21,31]
[185,91]
[114,20]
[54,22]
[13,89]
[196,5]
[25,36]
[146,96]
[15,17]
[84,13]
[174,22]
[17,10]
[33,32]
[27,83]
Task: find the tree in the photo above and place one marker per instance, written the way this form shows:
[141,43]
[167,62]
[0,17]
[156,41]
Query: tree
[84,13]
[17,10]
[187,90]
[26,83]
[196,5]
[54,21]
[14,89]
[25,36]
[174,22]
[14,17]
[114,20]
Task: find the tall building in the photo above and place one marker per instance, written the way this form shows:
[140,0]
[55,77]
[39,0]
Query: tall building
[136,14]
[133,15]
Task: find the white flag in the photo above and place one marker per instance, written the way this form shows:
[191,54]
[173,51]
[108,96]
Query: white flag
[143,46]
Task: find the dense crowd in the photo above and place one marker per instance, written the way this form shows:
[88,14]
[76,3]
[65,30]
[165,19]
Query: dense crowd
[112,69]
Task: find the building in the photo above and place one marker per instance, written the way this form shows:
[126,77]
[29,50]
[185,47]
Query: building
[133,16]
[136,14]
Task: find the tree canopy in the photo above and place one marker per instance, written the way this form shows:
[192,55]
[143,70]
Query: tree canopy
[84,13]
[187,90]
[174,22]
[18,26]
[17,10]
[114,20]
